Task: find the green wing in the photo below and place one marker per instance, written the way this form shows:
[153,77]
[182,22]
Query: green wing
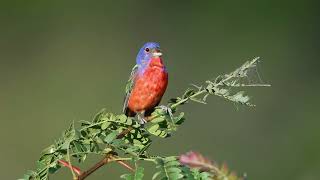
[129,87]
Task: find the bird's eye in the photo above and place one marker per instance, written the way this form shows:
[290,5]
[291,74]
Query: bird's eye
[147,49]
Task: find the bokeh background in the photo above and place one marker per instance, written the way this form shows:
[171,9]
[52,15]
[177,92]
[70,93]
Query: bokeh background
[65,60]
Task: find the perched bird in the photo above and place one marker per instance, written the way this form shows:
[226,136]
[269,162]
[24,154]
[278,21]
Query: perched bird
[147,83]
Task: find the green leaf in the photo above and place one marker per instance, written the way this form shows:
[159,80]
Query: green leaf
[156,175]
[152,129]
[105,125]
[54,168]
[169,168]
[111,136]
[138,175]
[158,120]
[49,150]
[99,115]
[122,118]
[180,119]
[155,130]
[29,175]
[126,176]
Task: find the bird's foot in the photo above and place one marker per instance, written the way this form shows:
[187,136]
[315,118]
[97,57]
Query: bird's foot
[166,109]
[141,119]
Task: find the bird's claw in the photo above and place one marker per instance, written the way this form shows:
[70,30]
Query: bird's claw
[141,119]
[166,109]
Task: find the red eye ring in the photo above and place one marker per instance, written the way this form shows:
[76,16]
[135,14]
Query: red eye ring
[147,49]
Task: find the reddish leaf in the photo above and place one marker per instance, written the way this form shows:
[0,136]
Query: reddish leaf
[196,160]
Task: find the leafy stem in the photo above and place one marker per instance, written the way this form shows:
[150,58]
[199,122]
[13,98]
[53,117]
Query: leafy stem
[110,135]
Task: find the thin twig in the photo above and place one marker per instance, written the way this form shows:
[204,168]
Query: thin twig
[71,167]
[92,169]
[121,162]
[69,161]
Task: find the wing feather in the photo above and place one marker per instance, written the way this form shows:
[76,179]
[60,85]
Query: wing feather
[129,87]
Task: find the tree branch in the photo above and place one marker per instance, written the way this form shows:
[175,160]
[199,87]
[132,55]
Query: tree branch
[105,128]
[95,167]
[73,168]
[107,159]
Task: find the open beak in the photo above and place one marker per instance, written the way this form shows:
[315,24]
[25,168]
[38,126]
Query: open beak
[156,53]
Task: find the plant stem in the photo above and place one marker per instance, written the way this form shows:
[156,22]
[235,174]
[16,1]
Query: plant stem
[69,161]
[71,167]
[108,158]
[186,99]
[95,167]
[123,164]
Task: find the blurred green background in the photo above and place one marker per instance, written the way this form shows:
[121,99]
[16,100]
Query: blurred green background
[65,60]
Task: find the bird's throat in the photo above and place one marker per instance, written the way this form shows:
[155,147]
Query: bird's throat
[156,62]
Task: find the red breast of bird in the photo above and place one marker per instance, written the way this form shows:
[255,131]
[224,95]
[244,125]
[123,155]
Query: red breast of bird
[150,85]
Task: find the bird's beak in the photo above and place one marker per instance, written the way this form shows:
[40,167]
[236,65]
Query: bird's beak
[156,53]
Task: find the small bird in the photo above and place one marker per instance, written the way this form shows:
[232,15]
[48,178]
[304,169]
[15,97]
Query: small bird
[147,83]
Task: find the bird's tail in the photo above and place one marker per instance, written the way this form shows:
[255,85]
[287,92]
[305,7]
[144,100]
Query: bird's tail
[129,113]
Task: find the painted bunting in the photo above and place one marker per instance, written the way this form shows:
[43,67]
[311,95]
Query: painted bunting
[147,83]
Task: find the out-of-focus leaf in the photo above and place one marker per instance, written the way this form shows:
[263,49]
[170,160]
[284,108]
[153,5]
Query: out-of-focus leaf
[138,175]
[196,160]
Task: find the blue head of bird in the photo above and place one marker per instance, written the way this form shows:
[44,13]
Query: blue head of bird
[148,51]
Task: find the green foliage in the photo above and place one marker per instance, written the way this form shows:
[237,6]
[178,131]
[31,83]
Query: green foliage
[96,137]
[225,86]
[169,168]
[204,168]
[105,133]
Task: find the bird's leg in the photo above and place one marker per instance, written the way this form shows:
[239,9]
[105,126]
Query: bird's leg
[141,118]
[166,109]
